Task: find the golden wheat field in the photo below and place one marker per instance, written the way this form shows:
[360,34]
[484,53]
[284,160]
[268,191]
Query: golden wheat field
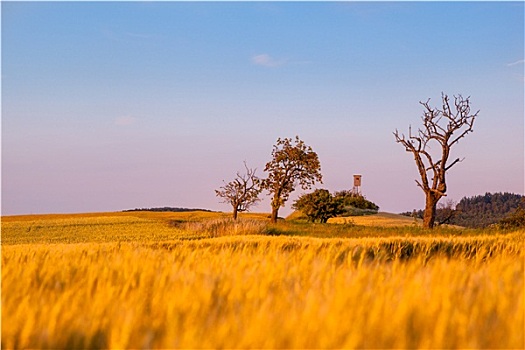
[200,280]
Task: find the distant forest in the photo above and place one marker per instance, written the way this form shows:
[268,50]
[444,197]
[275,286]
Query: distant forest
[167,209]
[478,211]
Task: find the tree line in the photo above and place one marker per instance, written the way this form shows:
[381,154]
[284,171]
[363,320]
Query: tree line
[165,209]
[295,164]
[478,211]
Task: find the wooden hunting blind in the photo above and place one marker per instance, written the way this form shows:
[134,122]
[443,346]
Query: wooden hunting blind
[357,184]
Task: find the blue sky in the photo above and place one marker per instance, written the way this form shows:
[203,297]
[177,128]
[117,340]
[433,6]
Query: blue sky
[116,105]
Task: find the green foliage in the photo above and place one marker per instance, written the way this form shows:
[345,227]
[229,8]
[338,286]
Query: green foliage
[515,220]
[477,211]
[487,209]
[291,165]
[319,205]
[355,204]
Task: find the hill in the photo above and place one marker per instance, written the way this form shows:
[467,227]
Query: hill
[487,209]
[381,219]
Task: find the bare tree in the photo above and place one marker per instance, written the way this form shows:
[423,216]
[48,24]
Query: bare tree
[444,127]
[290,165]
[242,192]
[446,212]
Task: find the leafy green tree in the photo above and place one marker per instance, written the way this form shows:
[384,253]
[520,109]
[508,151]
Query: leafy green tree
[291,165]
[242,192]
[319,205]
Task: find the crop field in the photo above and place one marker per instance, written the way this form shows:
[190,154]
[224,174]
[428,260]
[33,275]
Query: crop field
[200,280]
[380,219]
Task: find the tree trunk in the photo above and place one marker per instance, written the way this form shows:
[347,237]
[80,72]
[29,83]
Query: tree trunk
[275,212]
[234,213]
[429,217]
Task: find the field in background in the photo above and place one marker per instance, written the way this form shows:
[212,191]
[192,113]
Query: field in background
[197,279]
[379,219]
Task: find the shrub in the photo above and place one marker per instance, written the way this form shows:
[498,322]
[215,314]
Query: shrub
[355,204]
[319,205]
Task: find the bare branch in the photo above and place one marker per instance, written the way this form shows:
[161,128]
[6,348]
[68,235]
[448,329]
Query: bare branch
[242,192]
[454,162]
[444,127]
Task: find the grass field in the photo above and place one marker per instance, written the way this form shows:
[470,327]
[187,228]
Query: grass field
[199,280]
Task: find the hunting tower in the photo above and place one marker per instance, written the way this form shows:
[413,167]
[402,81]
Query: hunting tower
[357,185]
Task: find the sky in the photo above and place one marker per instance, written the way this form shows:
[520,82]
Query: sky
[109,106]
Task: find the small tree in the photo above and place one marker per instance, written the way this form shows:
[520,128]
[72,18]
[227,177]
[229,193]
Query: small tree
[445,128]
[446,212]
[242,192]
[319,205]
[291,164]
